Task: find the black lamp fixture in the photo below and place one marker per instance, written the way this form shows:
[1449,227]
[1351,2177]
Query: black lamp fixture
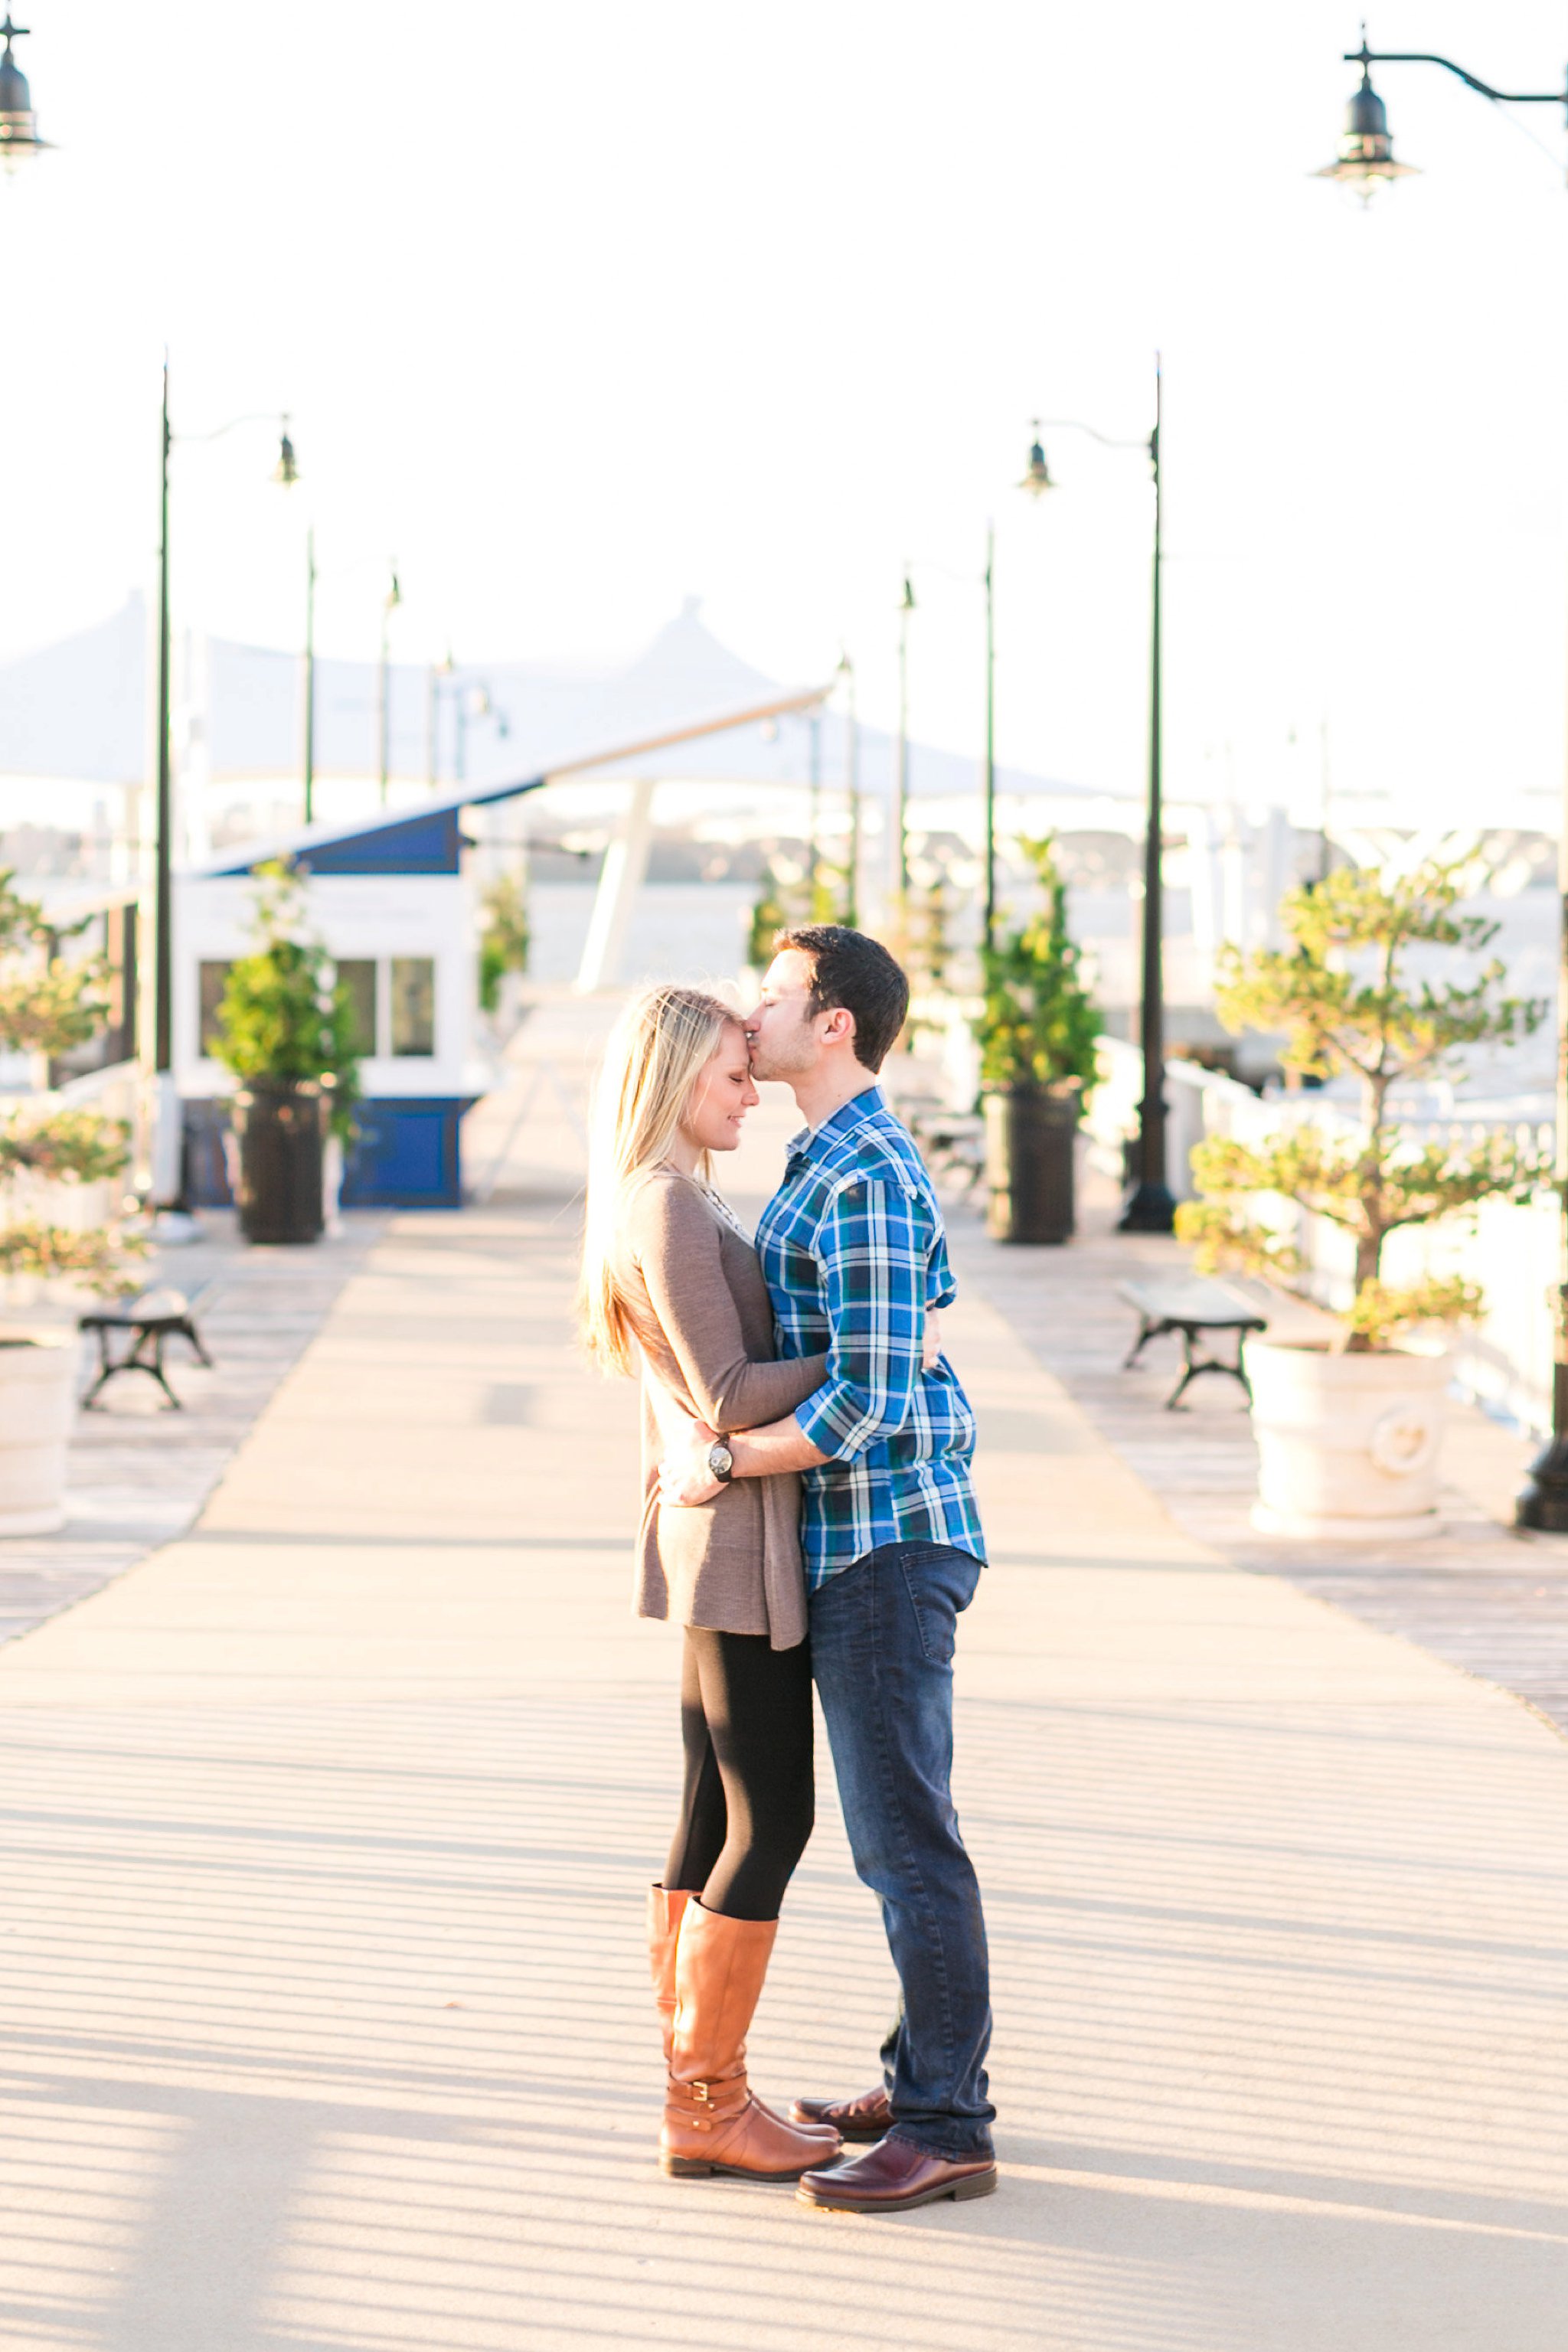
[1365,160]
[18,124]
[286,472]
[1037,473]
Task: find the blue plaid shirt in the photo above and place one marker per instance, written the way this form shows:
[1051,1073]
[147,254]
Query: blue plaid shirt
[854,1251]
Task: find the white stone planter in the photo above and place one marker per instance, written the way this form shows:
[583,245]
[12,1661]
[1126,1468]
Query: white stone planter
[1347,1445]
[37,1405]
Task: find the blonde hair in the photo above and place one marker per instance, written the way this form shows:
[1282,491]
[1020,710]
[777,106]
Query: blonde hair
[657,1051]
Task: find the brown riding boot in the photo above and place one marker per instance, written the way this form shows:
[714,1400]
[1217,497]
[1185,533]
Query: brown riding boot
[664,1910]
[712,2122]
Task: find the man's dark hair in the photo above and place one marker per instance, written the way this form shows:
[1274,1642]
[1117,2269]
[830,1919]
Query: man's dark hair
[851,969]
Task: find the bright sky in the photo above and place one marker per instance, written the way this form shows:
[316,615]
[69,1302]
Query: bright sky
[579,310]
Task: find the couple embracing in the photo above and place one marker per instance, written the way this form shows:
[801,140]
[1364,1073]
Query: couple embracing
[809,1512]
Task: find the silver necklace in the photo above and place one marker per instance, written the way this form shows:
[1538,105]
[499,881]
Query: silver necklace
[722,1207]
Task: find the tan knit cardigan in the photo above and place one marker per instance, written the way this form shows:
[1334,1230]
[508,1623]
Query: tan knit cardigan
[699,1305]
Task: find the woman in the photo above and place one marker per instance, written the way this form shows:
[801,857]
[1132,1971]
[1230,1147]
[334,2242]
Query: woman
[672,1286]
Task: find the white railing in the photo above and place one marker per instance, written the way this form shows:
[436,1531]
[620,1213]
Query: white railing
[1511,1251]
[1198,1102]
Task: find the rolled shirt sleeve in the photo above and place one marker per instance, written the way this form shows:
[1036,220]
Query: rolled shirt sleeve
[871,1247]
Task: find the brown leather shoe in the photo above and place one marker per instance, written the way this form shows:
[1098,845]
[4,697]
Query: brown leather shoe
[712,2122]
[893,2176]
[869,2116]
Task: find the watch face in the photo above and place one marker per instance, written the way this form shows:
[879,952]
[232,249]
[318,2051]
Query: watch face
[720,1461]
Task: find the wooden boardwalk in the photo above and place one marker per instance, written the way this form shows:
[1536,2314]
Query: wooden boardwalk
[139,1472]
[325,1832]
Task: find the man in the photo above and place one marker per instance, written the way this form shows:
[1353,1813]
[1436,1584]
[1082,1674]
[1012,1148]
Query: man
[853,1248]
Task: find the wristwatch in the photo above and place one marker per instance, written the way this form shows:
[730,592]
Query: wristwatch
[722,1462]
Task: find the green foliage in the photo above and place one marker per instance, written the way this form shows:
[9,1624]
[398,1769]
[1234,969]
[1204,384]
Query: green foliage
[65,1147]
[786,896]
[769,915]
[1039,1024]
[282,1019]
[828,893]
[928,943]
[1379,1314]
[100,1257]
[789,894]
[1343,999]
[504,938]
[49,1003]
[1339,992]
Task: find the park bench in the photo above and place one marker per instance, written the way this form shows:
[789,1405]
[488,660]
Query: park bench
[1192,1304]
[149,1321]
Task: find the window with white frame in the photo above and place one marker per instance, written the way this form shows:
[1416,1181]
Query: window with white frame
[392,999]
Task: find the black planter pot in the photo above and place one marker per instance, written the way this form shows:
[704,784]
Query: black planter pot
[1029,1141]
[280,1131]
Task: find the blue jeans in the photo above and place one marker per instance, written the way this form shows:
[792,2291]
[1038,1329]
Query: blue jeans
[881,1650]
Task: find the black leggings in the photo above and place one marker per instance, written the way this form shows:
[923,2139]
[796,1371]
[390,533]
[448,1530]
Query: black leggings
[748,1803]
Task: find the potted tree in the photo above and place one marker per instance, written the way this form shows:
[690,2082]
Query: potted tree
[1037,1030]
[48,1005]
[285,1029]
[1348,1432]
[504,942]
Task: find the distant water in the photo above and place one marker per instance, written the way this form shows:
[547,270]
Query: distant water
[681,931]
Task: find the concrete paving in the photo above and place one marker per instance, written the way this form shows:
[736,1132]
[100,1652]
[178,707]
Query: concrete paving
[325,1834]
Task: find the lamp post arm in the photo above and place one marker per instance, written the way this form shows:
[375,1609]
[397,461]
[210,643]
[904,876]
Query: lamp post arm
[252,417]
[1363,56]
[1077,425]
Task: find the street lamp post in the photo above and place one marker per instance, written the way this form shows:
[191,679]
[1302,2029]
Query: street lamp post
[389,604]
[1152,1209]
[472,702]
[988,779]
[471,699]
[18,124]
[1366,161]
[1149,1209]
[814,804]
[310,747]
[168,1186]
[852,781]
[902,770]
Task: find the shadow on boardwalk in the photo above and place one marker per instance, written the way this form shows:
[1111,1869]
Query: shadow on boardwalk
[325,1834]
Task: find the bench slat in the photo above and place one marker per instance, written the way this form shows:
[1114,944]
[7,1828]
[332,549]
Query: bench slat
[1193,1298]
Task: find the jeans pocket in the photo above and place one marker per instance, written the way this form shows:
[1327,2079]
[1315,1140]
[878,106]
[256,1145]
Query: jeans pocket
[941,1584]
